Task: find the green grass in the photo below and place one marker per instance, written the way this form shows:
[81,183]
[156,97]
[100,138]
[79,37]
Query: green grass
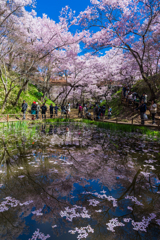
[30,96]
[115,104]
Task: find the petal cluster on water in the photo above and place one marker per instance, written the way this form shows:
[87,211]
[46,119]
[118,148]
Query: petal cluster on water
[83,231]
[11,202]
[72,213]
[38,235]
[114,223]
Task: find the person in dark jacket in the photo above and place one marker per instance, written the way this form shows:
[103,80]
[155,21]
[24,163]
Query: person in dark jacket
[97,113]
[142,109]
[56,110]
[44,110]
[103,112]
[33,109]
[62,111]
[124,91]
[24,109]
[142,98]
[51,110]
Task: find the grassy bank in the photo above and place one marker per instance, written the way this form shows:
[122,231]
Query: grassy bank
[115,104]
[31,95]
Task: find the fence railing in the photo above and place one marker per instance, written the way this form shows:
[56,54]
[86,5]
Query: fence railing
[28,116]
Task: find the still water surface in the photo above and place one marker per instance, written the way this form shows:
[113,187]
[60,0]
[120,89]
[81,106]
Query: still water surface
[68,182]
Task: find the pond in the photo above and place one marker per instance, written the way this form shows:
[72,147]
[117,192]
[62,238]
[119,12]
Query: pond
[75,181]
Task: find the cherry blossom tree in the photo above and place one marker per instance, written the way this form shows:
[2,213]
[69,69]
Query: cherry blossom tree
[128,25]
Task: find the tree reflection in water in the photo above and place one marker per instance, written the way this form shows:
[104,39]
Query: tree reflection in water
[79,180]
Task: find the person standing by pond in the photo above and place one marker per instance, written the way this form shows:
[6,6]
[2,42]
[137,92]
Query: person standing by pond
[124,91]
[24,109]
[33,109]
[69,107]
[56,110]
[109,112]
[80,110]
[51,110]
[97,111]
[142,109]
[62,110]
[67,110]
[37,110]
[44,110]
[94,112]
[103,112]
[153,110]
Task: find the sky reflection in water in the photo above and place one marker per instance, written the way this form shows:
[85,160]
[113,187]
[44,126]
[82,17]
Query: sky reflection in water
[79,182]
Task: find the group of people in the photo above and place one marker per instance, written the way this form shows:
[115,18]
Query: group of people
[35,109]
[153,110]
[65,110]
[141,103]
[84,111]
[98,112]
[133,96]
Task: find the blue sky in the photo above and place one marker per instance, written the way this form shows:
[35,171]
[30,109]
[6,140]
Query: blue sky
[53,7]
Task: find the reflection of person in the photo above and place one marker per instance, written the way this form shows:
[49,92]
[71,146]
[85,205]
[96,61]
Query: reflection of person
[51,129]
[67,130]
[153,110]
[55,129]
[43,129]
[24,109]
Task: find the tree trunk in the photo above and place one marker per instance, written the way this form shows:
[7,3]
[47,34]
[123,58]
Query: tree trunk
[5,100]
[67,95]
[20,91]
[153,95]
[26,86]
